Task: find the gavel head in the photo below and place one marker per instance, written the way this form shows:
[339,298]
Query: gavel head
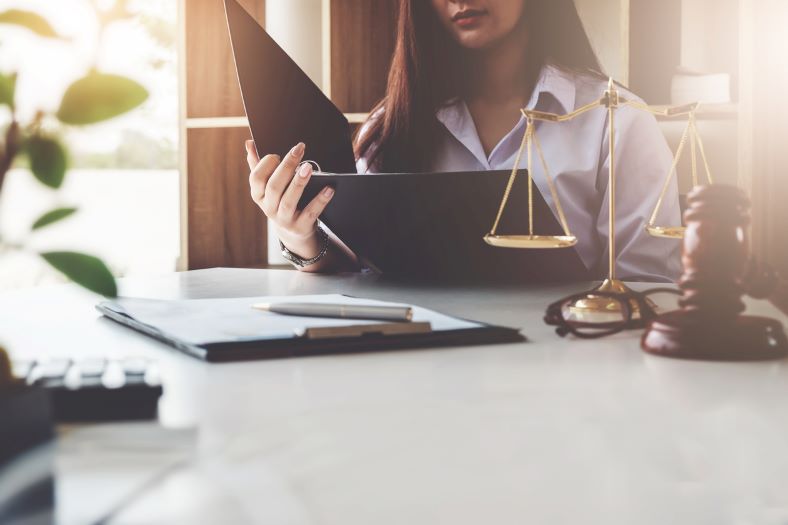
[717,273]
[716,244]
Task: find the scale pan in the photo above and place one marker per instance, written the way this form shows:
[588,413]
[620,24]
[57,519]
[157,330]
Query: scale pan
[531,242]
[666,232]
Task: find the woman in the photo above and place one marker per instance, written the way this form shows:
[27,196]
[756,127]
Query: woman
[461,72]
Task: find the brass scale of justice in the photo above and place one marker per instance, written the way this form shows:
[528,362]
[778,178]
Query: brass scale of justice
[612,101]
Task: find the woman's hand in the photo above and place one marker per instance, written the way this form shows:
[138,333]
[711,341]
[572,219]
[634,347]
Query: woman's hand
[276,188]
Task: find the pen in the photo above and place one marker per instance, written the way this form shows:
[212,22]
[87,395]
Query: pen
[340,311]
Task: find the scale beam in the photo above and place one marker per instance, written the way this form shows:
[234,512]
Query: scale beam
[611,101]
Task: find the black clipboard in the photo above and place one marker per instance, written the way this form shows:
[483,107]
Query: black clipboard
[349,339]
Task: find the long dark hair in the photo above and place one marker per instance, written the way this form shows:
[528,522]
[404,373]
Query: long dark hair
[427,71]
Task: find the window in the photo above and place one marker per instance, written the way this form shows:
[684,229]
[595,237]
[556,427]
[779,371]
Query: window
[123,174]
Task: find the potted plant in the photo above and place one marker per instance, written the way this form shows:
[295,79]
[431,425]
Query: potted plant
[93,98]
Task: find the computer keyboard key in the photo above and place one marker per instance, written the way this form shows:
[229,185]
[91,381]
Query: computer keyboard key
[96,389]
[73,378]
[113,377]
[135,366]
[91,367]
[153,376]
[21,368]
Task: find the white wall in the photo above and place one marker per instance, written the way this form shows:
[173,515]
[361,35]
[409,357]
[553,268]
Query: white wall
[709,35]
[297,26]
[607,25]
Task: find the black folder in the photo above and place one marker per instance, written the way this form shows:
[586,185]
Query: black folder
[283,105]
[431,226]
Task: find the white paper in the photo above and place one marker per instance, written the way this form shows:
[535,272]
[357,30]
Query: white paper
[206,321]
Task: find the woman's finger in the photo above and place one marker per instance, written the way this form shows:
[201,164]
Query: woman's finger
[251,155]
[314,209]
[281,178]
[289,203]
[260,175]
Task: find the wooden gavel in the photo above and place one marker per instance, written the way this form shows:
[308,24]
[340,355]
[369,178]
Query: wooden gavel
[717,273]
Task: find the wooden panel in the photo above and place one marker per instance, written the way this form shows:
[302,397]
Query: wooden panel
[764,126]
[225,228]
[211,83]
[362,42]
[655,48]
[607,25]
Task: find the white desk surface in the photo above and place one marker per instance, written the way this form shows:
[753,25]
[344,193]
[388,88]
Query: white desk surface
[553,431]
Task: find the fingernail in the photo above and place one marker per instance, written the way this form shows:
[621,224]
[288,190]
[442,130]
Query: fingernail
[328,192]
[305,170]
[298,150]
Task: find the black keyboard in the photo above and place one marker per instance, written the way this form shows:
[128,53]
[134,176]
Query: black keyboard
[96,389]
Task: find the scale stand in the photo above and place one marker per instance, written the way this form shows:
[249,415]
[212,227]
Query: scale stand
[597,301]
[599,304]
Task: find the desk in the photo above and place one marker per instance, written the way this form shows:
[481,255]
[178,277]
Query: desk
[551,431]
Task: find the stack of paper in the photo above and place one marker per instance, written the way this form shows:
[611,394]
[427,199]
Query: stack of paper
[690,87]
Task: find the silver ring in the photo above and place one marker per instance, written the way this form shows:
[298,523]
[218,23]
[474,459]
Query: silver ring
[314,164]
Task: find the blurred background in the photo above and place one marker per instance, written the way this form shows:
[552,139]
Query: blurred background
[165,186]
[123,173]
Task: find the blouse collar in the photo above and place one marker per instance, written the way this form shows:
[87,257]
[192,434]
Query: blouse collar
[553,82]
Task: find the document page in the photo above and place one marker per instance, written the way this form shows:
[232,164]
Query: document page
[207,321]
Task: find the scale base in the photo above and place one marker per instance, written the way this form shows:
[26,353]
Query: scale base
[667,232]
[595,304]
[679,335]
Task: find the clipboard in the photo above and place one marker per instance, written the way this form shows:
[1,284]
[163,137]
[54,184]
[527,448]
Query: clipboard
[226,330]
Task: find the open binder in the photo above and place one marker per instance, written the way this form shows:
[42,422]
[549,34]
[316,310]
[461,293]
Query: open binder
[223,330]
[283,105]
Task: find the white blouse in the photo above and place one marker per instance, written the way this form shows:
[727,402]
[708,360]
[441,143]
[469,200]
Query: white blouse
[577,156]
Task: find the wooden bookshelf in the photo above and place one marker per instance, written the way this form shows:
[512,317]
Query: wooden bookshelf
[220,225]
[745,39]
[701,35]
[640,42]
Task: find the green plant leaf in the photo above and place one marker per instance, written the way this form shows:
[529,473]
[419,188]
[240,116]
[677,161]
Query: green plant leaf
[7,89]
[119,11]
[48,160]
[53,216]
[164,33]
[85,270]
[32,21]
[98,97]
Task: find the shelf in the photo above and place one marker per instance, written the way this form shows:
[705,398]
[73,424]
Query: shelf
[728,111]
[241,122]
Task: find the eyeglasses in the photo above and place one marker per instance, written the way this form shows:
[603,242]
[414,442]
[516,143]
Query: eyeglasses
[627,311]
